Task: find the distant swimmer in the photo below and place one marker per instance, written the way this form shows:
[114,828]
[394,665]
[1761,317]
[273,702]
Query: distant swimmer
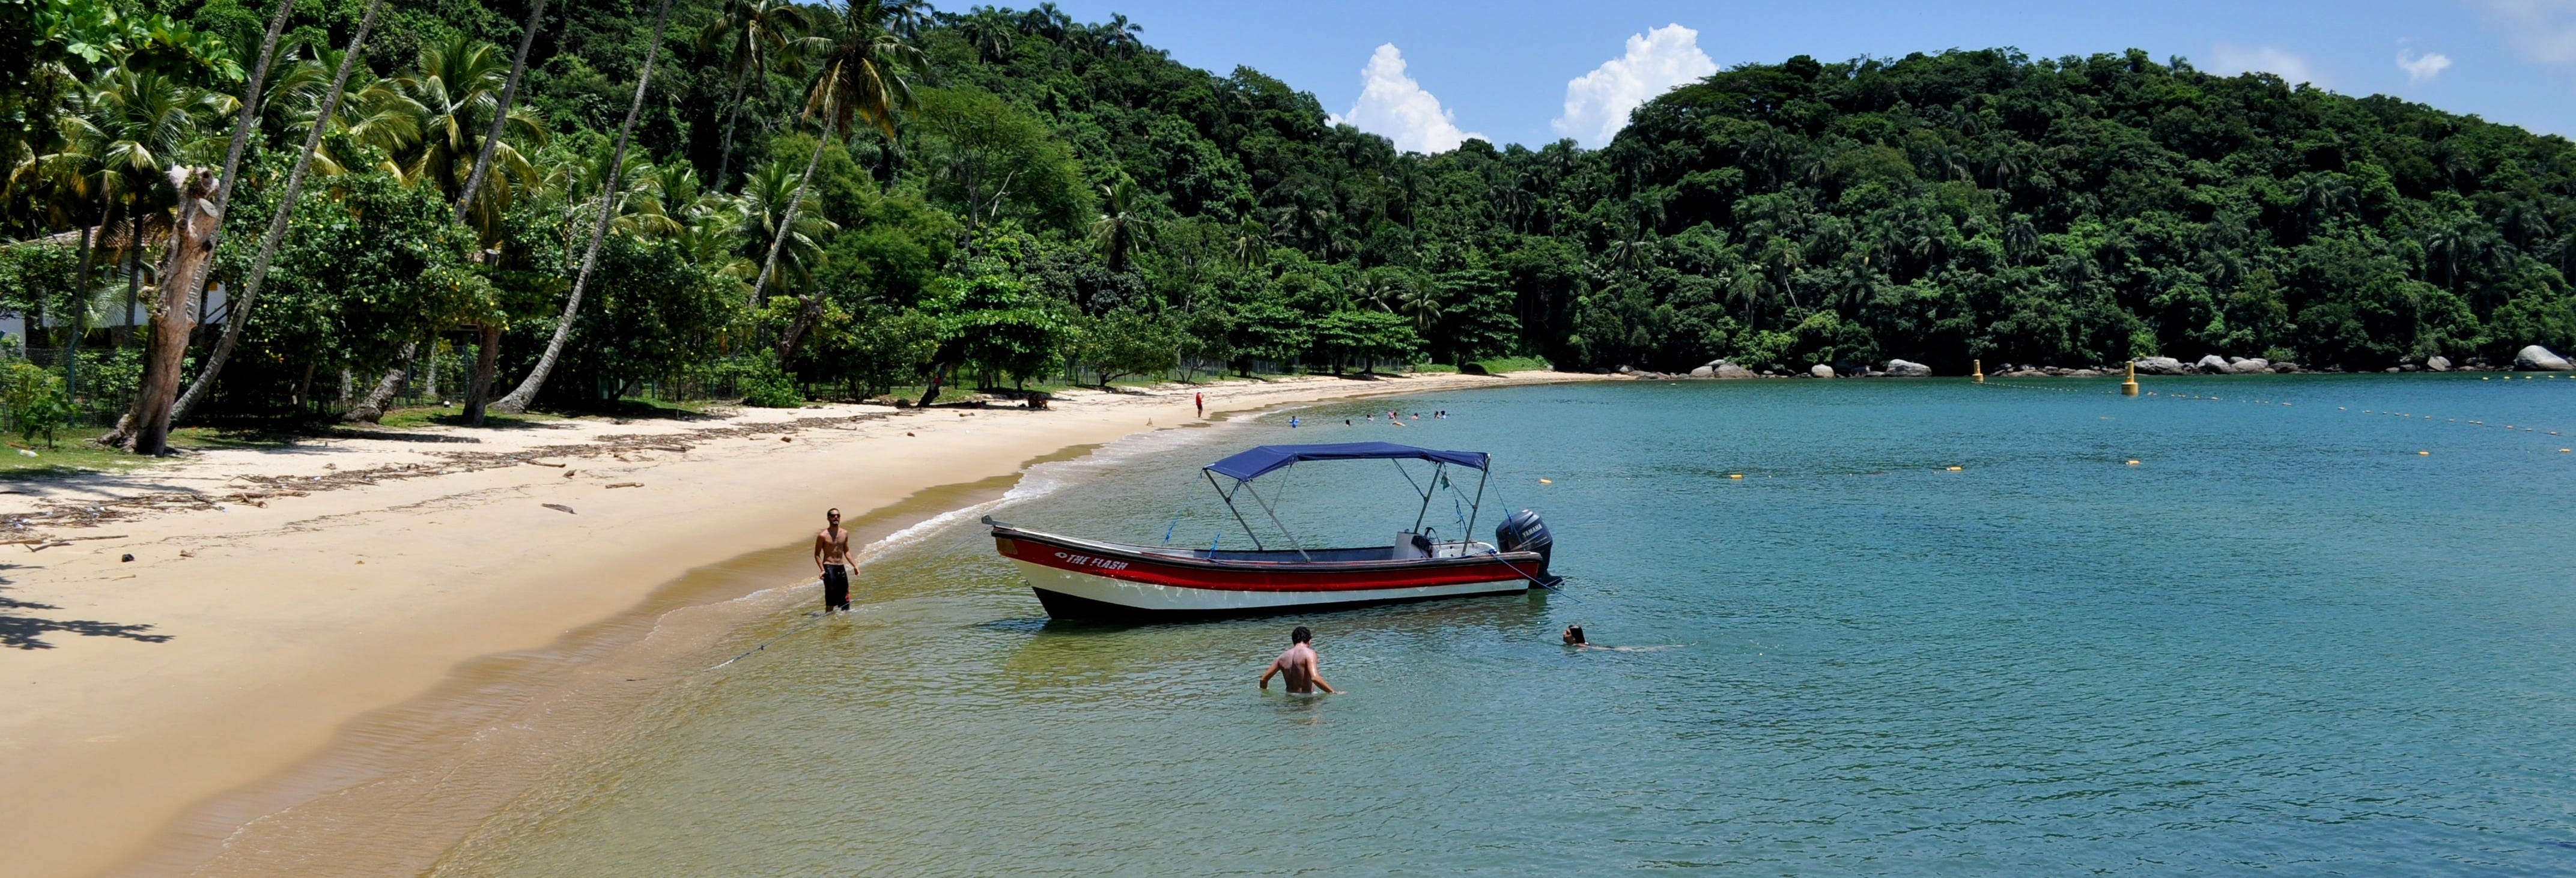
[1574,638]
[1297,665]
[832,560]
[1292,422]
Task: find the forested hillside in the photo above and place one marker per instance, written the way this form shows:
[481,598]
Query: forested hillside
[998,196]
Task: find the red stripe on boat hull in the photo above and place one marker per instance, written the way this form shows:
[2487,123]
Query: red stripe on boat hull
[1257,575]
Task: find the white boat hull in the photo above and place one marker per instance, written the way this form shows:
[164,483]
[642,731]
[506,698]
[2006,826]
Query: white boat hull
[1154,599]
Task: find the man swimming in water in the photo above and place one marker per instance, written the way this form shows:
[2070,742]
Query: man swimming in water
[832,560]
[1297,665]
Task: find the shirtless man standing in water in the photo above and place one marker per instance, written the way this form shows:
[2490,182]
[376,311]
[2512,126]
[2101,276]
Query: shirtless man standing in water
[1297,665]
[832,560]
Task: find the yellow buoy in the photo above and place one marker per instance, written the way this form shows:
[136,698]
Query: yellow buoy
[2424,453]
[2130,387]
[1735,475]
[1954,469]
[1977,371]
[2133,463]
[1546,481]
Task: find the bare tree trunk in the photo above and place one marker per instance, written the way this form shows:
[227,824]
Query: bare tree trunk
[380,397]
[487,356]
[192,242]
[80,303]
[526,392]
[501,111]
[810,309]
[124,333]
[937,371]
[243,125]
[724,160]
[198,389]
[786,221]
[432,378]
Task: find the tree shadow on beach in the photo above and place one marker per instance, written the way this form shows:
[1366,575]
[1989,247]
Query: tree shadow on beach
[19,631]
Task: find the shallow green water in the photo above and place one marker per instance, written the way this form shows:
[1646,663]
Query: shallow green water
[2283,640]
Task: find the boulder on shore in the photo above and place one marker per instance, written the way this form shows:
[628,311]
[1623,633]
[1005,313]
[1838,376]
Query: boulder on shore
[2284,367]
[2539,359]
[1907,369]
[2211,365]
[1731,370]
[1703,372]
[2162,366]
[1821,370]
[2248,366]
[2438,364]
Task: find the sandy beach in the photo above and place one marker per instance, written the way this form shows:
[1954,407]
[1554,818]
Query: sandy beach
[274,596]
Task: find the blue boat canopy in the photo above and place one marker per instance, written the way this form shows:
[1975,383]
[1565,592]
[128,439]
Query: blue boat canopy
[1252,464]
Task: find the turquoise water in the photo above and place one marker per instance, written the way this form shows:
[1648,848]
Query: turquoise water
[2282,640]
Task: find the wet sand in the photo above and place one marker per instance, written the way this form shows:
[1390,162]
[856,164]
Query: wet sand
[343,682]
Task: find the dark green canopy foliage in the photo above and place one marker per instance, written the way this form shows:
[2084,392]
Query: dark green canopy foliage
[1059,199]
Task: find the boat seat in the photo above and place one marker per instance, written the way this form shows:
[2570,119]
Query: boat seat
[1410,545]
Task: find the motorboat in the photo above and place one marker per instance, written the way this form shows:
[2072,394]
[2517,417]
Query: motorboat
[1077,578]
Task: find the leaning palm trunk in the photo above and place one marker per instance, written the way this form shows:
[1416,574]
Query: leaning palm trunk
[371,408]
[487,355]
[526,392]
[501,111]
[240,316]
[193,284]
[786,221]
[808,310]
[192,241]
[724,160]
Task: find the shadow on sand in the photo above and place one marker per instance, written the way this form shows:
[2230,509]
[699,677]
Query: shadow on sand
[21,631]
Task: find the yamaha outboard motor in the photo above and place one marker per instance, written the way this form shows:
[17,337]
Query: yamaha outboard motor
[1524,532]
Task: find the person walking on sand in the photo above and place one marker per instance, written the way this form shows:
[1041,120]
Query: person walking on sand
[1297,666]
[832,560]
[1201,400]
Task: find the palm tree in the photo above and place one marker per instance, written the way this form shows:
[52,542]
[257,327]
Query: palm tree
[989,34]
[755,32]
[1422,303]
[240,307]
[519,397]
[245,121]
[1251,244]
[861,80]
[763,207]
[501,110]
[141,123]
[425,119]
[1122,226]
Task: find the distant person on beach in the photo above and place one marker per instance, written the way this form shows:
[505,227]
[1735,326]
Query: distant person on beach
[1201,400]
[1297,666]
[832,560]
[1292,422]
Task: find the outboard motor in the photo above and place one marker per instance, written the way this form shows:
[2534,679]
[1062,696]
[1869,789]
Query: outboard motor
[1524,532]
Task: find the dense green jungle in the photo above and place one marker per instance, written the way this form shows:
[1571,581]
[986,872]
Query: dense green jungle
[819,201]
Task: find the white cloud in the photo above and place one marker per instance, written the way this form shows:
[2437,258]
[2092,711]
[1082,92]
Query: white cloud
[1394,105]
[2422,69]
[2543,30]
[2266,59]
[1597,103]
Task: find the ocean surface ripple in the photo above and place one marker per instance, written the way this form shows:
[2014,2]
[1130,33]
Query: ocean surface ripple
[2283,639]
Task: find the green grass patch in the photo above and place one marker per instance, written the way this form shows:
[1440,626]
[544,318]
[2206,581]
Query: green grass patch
[1434,369]
[76,452]
[1498,365]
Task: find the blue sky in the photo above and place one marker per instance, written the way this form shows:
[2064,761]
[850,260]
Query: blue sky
[1505,68]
